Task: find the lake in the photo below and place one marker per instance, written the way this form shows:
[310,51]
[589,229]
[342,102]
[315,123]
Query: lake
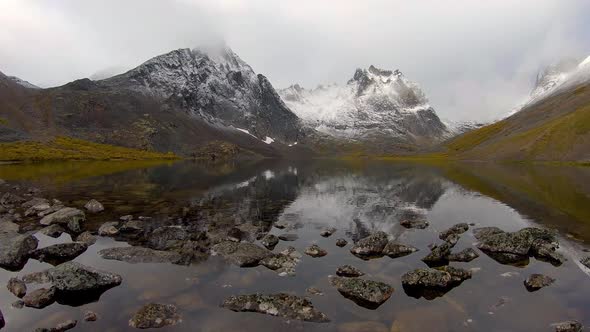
[244,201]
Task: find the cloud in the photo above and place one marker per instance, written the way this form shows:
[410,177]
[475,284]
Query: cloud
[474,59]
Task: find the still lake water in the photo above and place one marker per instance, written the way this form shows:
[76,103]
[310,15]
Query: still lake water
[355,198]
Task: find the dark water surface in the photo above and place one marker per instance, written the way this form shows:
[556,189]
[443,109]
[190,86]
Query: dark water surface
[356,198]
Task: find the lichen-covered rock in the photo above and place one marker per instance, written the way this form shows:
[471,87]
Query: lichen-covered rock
[348,271]
[40,298]
[135,255]
[59,253]
[328,232]
[465,255]
[280,305]
[70,217]
[167,238]
[108,228]
[439,255]
[394,250]
[370,246]
[537,281]
[483,232]
[568,326]
[341,242]
[15,249]
[86,237]
[283,263]
[155,315]
[432,283]
[94,206]
[456,229]
[241,254]
[17,287]
[414,223]
[315,251]
[269,241]
[366,293]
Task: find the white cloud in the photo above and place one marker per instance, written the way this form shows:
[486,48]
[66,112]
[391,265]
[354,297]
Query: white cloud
[474,58]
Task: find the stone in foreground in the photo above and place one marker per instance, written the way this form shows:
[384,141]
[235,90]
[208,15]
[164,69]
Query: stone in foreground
[94,206]
[17,287]
[15,249]
[455,230]
[59,253]
[135,255]
[283,263]
[40,298]
[315,251]
[242,254]
[269,241]
[395,250]
[370,246]
[432,283]
[568,326]
[90,316]
[328,232]
[341,242]
[537,281]
[280,305]
[465,255]
[155,315]
[349,271]
[366,293]
[70,217]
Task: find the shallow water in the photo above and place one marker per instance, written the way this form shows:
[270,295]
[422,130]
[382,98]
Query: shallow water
[356,198]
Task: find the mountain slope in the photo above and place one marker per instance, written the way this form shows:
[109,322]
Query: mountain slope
[374,106]
[184,101]
[555,127]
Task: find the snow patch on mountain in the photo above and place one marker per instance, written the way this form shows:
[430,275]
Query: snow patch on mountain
[373,102]
[22,82]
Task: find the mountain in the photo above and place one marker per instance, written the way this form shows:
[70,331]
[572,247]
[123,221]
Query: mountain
[190,102]
[553,126]
[22,82]
[375,105]
[216,85]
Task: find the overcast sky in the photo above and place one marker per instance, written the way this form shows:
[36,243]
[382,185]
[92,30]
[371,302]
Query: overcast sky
[474,59]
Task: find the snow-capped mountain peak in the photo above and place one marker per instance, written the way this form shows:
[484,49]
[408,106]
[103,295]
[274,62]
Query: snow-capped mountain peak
[373,103]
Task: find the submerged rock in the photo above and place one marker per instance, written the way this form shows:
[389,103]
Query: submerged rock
[269,241]
[40,298]
[18,304]
[59,253]
[348,271]
[394,250]
[465,255]
[414,223]
[366,293]
[108,228]
[61,327]
[431,283]
[167,237]
[537,281]
[568,326]
[370,246]
[280,305]
[242,254]
[155,315]
[15,249]
[328,232]
[341,242]
[140,255]
[314,291]
[315,251]
[94,206]
[283,263]
[17,287]
[288,237]
[70,217]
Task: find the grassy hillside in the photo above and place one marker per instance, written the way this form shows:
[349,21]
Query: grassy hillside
[64,148]
[556,129]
